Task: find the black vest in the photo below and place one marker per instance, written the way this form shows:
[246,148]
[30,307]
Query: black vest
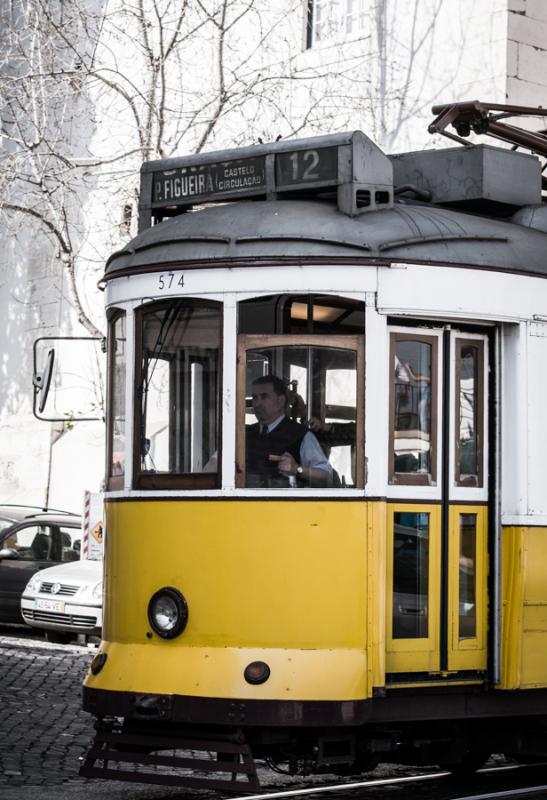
[285,438]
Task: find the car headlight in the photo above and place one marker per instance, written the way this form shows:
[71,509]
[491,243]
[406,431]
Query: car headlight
[33,585]
[168,612]
[98,591]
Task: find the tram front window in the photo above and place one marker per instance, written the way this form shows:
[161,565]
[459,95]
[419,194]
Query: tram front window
[178,389]
[300,417]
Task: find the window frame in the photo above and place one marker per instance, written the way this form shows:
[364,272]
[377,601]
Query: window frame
[171,480]
[114,482]
[414,479]
[341,35]
[354,343]
[459,343]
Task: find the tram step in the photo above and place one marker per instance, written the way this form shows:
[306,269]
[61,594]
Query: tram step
[221,764]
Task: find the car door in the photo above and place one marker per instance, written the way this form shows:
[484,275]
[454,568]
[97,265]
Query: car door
[31,548]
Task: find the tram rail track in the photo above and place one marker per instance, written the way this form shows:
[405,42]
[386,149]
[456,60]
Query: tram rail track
[377,783]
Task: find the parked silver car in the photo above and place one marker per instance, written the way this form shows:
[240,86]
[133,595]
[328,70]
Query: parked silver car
[65,600]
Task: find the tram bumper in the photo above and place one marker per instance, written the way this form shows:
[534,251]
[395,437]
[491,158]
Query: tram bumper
[186,710]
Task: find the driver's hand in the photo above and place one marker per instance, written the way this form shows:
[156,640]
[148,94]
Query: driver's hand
[287,465]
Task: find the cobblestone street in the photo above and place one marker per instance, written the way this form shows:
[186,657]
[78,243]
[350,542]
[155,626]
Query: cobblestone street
[43,728]
[42,720]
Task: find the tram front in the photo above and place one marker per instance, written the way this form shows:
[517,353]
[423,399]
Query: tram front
[238,568]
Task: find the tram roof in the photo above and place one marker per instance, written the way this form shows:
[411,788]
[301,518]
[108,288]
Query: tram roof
[288,231]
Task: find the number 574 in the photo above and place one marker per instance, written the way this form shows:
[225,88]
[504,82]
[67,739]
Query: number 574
[167,280]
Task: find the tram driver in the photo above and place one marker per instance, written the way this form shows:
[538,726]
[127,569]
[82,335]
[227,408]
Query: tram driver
[279,451]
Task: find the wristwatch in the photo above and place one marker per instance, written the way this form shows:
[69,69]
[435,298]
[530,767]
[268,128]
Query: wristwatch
[299,469]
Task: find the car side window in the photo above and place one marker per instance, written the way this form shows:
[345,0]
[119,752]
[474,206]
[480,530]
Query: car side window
[32,543]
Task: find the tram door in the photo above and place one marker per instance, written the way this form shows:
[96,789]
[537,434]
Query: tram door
[437,518]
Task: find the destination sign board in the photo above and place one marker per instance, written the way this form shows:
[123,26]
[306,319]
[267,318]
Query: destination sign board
[318,165]
[183,184]
[348,163]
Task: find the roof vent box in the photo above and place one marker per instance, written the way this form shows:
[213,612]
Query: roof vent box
[480,177]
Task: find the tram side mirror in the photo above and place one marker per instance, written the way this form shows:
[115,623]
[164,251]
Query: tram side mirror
[42,381]
[68,379]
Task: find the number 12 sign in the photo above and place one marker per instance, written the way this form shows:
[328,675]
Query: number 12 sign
[307,166]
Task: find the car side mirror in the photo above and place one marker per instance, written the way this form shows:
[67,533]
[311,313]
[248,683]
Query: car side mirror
[8,552]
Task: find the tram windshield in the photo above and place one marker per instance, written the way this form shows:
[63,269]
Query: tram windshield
[178,385]
[301,392]
[300,417]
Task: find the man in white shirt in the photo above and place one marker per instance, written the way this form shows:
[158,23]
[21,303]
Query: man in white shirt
[279,449]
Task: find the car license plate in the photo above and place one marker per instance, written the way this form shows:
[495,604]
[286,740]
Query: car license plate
[50,605]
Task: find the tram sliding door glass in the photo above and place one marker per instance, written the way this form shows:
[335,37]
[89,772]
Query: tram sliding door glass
[413,569]
[467,599]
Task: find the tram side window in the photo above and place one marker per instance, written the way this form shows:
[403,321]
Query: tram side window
[116,388]
[178,394]
[469,412]
[413,409]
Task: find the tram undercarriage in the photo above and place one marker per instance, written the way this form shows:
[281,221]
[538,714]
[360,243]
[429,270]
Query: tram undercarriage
[460,745]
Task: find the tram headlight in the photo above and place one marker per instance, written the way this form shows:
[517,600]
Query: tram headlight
[168,612]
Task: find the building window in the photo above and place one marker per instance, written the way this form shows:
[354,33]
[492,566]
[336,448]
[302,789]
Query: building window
[331,20]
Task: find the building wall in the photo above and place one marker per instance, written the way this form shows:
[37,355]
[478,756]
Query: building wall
[527,53]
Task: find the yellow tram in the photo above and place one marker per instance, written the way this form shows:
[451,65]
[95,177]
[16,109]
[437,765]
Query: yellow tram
[325,514]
